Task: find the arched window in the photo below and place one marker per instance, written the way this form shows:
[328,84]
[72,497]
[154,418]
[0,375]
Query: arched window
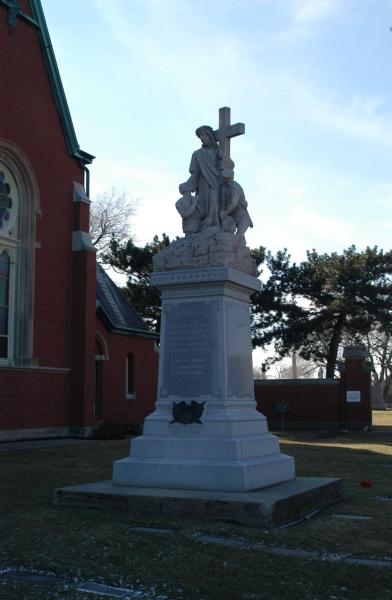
[18,209]
[130,376]
[9,205]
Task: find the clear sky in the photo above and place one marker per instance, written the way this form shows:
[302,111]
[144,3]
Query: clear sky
[311,80]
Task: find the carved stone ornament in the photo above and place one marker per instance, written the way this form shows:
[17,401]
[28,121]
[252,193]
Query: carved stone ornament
[187,413]
[8,202]
[208,249]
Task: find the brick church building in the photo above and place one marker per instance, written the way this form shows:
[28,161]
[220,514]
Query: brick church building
[73,352]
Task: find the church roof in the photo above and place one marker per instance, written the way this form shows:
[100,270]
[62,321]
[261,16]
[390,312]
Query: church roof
[36,18]
[117,313]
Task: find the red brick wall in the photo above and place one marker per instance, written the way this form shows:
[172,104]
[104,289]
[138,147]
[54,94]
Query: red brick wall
[64,291]
[317,403]
[30,120]
[116,407]
[356,377]
[34,399]
[83,337]
[309,401]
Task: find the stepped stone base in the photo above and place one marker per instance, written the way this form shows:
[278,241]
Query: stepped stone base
[205,450]
[205,432]
[226,475]
[231,451]
[270,507]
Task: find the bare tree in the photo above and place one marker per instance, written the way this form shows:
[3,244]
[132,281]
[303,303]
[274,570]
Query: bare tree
[379,345]
[110,218]
[304,369]
[259,371]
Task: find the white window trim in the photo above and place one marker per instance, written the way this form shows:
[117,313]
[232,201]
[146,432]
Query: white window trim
[21,169]
[12,252]
[129,396]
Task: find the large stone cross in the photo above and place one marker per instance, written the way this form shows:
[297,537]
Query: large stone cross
[226,131]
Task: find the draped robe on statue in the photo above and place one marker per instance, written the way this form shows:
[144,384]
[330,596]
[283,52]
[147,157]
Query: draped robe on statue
[205,181]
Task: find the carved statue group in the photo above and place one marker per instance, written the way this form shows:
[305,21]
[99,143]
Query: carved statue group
[210,197]
[212,206]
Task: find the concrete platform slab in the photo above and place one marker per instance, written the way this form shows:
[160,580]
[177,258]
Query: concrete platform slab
[268,507]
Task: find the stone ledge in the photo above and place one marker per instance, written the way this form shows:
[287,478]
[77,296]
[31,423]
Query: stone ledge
[275,426]
[209,248]
[204,275]
[299,382]
[268,507]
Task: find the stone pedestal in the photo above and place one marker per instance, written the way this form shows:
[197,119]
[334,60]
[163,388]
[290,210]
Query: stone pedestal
[205,433]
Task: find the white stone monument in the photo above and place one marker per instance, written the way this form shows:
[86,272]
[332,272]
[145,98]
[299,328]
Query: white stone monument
[206,433]
[205,450]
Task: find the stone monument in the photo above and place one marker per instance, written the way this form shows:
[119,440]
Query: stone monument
[206,433]
[205,450]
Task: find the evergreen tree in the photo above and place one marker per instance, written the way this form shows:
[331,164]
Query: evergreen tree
[309,307]
[136,262]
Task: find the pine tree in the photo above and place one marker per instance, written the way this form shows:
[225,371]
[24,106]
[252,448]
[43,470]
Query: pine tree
[309,307]
[136,262]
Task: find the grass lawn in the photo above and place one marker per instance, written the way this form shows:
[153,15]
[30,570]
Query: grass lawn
[86,545]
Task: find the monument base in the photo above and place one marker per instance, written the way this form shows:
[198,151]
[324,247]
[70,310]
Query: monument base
[204,474]
[270,507]
[205,432]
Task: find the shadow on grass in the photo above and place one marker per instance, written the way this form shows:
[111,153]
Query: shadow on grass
[97,544]
[344,458]
[383,429]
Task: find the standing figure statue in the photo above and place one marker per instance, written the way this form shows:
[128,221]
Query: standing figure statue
[205,177]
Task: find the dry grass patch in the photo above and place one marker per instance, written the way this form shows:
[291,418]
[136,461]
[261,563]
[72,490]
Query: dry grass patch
[79,545]
[382,418]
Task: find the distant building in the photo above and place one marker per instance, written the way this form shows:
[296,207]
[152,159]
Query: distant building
[73,352]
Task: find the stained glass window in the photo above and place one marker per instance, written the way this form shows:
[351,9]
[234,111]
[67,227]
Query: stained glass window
[5,272]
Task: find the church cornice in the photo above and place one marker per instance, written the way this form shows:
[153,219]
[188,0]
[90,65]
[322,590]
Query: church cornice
[37,20]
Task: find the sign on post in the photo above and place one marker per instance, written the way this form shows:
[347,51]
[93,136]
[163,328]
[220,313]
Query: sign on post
[282,408]
[353,396]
